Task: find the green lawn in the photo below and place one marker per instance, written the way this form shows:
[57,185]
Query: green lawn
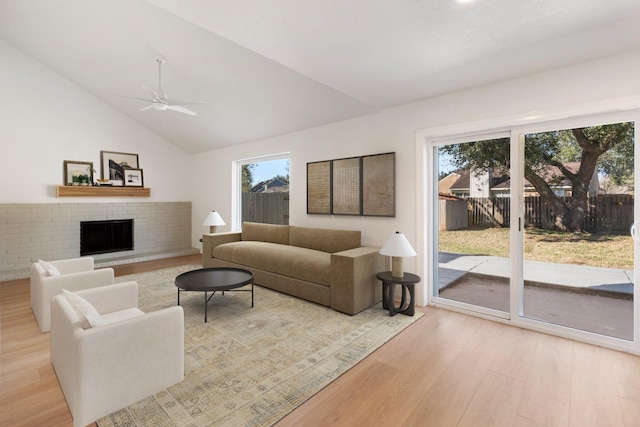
[594,249]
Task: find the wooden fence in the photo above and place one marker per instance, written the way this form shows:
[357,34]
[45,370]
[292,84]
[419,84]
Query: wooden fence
[268,208]
[608,213]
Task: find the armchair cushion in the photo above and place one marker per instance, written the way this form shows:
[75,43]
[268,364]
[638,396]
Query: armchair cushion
[49,268]
[84,308]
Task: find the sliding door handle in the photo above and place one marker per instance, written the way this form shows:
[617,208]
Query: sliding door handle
[634,234]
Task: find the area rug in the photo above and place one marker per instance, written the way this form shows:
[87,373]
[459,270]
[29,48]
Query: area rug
[251,366]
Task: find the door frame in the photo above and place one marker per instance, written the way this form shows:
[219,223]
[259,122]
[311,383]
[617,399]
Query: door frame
[433,146]
[517,126]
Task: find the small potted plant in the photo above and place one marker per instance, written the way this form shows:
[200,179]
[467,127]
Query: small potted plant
[75,178]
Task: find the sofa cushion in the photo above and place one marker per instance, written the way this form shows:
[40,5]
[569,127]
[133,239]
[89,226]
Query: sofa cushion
[326,240]
[265,232]
[301,263]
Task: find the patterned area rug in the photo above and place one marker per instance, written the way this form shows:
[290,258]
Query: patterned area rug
[252,366]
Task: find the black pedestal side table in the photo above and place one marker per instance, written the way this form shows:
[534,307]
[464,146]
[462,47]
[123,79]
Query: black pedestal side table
[407,303]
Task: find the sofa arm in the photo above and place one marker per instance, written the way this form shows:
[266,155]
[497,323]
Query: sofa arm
[354,285]
[211,240]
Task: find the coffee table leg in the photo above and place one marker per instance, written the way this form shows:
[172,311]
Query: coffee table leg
[205,306]
[251,295]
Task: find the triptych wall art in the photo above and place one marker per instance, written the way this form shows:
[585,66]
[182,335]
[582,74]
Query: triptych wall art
[362,185]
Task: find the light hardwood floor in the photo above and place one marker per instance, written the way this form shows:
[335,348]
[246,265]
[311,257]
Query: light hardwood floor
[448,369]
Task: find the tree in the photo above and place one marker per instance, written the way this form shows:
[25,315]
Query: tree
[247,177]
[587,145]
[443,174]
[284,178]
[617,165]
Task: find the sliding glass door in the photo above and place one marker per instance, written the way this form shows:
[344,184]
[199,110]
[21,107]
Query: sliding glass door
[578,210]
[473,223]
[532,224]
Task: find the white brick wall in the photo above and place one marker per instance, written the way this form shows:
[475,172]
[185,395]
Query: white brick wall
[29,232]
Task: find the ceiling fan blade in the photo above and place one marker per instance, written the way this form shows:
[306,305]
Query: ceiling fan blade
[146,108]
[139,99]
[181,109]
[133,97]
[187,102]
[153,93]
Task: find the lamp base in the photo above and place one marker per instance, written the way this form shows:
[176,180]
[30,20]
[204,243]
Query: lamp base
[396,267]
[212,228]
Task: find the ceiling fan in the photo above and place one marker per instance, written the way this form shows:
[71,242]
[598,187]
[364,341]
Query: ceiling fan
[160,100]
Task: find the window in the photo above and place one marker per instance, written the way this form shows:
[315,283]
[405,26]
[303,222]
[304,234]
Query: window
[264,190]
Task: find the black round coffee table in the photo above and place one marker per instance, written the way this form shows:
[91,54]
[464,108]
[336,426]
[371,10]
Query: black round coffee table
[217,279]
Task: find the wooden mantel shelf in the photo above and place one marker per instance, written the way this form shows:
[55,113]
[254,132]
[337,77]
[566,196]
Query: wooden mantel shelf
[79,191]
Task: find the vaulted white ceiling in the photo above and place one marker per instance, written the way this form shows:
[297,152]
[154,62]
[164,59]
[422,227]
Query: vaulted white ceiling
[271,67]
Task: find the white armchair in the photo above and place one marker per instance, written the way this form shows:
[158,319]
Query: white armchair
[130,356]
[75,274]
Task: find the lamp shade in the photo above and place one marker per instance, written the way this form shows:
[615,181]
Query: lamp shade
[213,219]
[397,246]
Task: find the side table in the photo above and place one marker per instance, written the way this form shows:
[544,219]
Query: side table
[407,303]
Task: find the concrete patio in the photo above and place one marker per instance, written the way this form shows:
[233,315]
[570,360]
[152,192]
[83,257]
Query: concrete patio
[593,299]
[453,266]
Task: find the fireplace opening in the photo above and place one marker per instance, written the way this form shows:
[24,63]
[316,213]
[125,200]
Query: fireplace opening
[99,237]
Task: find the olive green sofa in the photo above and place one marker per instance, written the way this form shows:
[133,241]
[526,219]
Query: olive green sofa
[326,266]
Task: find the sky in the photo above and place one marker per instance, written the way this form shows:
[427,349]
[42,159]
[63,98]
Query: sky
[269,169]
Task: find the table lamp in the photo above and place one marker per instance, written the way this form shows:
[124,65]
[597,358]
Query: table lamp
[213,220]
[397,247]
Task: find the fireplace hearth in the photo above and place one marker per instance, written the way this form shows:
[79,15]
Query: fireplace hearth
[99,237]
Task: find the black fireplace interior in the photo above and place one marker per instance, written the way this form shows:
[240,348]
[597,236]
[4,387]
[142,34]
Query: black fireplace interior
[99,237]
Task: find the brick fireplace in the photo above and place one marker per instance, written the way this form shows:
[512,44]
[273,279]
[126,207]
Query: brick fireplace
[29,232]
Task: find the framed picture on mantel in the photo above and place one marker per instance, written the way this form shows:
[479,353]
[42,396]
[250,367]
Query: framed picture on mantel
[77,173]
[133,178]
[114,164]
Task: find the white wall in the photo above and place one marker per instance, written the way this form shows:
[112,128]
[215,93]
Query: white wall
[345,139]
[45,119]
[394,129]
